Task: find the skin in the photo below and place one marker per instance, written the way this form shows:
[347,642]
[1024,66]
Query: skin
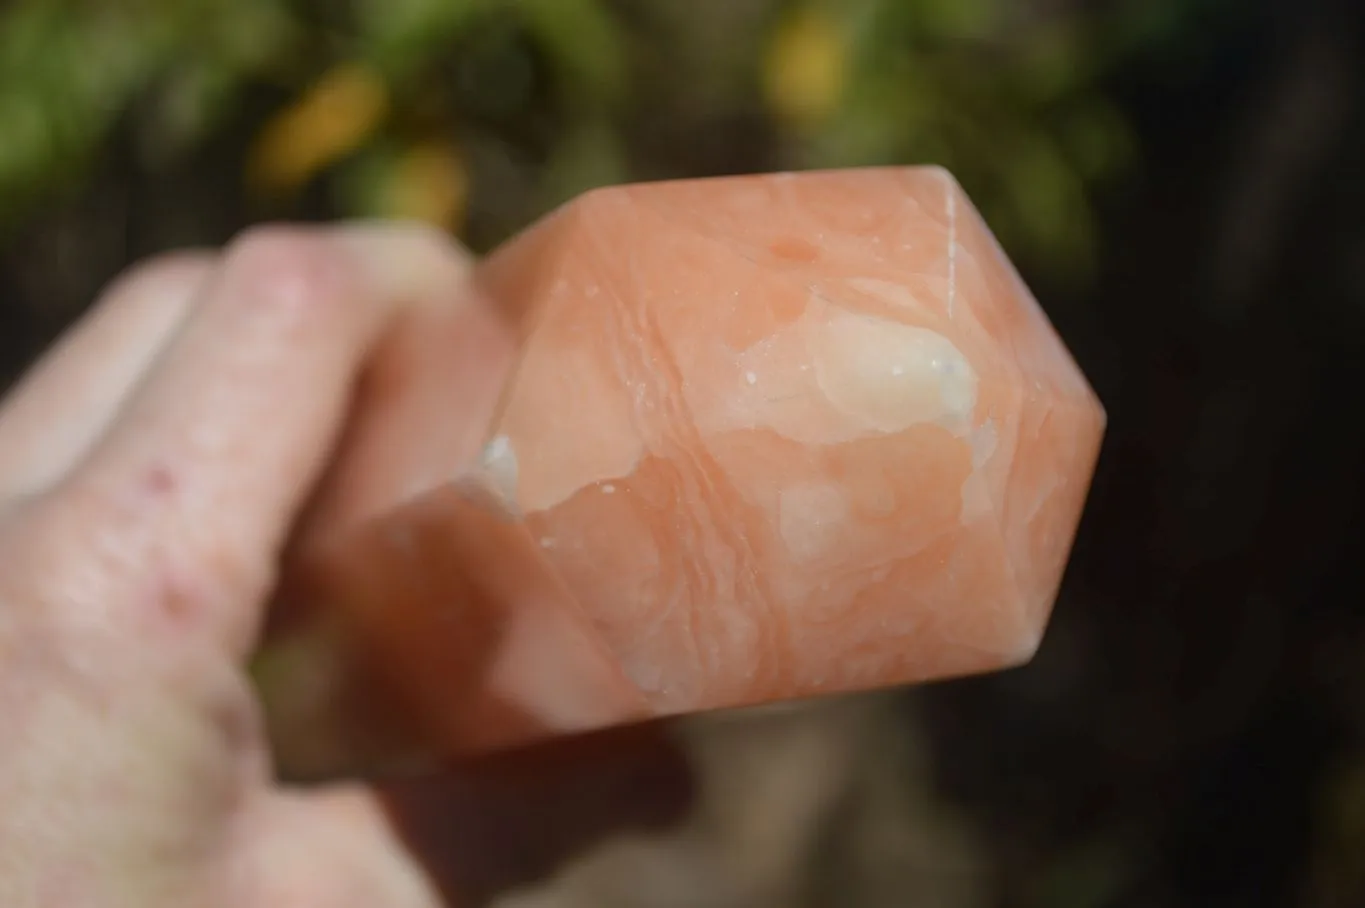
[151,466]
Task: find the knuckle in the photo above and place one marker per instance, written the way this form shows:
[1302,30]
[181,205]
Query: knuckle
[73,568]
[220,572]
[422,234]
[433,243]
[200,587]
[405,257]
[287,272]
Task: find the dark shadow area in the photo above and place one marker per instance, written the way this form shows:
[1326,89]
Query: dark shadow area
[1199,693]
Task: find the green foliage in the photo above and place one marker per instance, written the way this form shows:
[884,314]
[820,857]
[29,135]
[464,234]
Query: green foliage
[1004,97]
[584,42]
[69,71]
[399,35]
[1008,102]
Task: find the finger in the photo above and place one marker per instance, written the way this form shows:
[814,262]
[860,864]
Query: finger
[329,848]
[69,398]
[187,501]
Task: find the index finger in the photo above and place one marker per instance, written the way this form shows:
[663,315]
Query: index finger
[68,399]
[180,513]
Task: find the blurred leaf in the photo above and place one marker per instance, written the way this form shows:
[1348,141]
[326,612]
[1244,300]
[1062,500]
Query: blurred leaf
[187,107]
[24,151]
[589,158]
[1049,202]
[585,42]
[249,35]
[1097,139]
[400,34]
[332,119]
[497,74]
[83,65]
[1056,62]
[886,119]
[960,19]
[1001,94]
[66,78]
[806,67]
[1004,93]
[1140,23]
[427,182]
[360,184]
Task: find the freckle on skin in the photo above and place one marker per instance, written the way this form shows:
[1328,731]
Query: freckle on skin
[175,601]
[180,599]
[159,480]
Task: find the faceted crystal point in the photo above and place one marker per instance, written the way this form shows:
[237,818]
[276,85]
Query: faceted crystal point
[792,434]
[765,437]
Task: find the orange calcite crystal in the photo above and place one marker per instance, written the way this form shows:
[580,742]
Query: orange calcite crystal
[765,437]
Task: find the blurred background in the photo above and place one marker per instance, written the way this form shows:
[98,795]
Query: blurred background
[1179,180]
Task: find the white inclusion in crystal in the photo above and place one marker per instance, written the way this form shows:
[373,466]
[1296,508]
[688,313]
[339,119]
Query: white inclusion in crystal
[498,449]
[890,375]
[751,378]
[608,488]
[499,463]
[976,501]
[983,442]
[835,375]
[897,295]
[547,542]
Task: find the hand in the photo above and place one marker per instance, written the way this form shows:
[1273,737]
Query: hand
[151,467]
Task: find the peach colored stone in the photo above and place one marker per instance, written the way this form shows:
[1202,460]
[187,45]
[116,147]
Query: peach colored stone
[763,437]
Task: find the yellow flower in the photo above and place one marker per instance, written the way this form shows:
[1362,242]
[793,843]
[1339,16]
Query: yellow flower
[806,67]
[428,183]
[333,118]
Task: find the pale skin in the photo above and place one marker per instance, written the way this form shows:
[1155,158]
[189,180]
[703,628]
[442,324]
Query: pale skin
[151,466]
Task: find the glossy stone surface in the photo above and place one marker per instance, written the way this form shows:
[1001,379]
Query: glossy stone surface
[765,437]
[792,434]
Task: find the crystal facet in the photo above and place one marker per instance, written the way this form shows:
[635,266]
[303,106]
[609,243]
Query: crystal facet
[765,437]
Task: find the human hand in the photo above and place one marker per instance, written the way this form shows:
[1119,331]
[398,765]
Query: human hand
[151,468]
